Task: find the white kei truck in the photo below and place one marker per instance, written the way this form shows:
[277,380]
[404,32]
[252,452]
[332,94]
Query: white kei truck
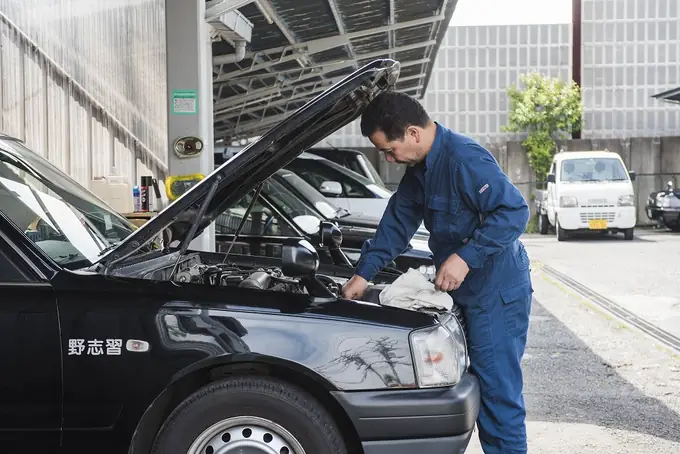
[587,191]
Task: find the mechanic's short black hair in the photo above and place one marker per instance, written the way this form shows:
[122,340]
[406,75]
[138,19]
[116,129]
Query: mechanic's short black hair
[392,113]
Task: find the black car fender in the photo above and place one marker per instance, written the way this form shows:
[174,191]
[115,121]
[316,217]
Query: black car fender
[208,370]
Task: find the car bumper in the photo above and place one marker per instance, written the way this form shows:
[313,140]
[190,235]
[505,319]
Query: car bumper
[580,218]
[431,420]
[670,216]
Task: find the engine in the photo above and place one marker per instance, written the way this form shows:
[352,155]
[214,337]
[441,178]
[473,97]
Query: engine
[228,275]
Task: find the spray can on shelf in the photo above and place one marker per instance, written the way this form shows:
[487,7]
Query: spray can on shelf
[136,199]
[147,181]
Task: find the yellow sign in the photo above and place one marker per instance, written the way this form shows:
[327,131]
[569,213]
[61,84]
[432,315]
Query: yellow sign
[597,224]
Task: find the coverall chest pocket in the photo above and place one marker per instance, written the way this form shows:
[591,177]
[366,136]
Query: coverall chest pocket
[445,216]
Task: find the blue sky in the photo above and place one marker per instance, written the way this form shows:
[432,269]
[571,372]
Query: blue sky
[503,12]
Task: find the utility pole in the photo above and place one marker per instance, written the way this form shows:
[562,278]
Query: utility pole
[576,48]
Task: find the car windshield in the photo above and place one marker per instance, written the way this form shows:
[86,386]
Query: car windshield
[592,169]
[311,195]
[66,221]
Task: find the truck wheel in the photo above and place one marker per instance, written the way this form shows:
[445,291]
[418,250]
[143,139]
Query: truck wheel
[561,233]
[249,414]
[628,234]
[543,224]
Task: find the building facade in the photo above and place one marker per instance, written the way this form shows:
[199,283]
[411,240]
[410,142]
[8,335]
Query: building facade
[630,52]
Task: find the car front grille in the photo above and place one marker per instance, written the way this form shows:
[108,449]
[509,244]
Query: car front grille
[605,215]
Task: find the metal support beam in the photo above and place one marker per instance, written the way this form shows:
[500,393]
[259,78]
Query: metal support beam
[189,91]
[390,21]
[317,87]
[330,45]
[340,23]
[323,44]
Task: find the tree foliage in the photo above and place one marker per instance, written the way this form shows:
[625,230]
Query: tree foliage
[547,109]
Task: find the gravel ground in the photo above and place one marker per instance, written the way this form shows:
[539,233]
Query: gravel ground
[592,385]
[642,275]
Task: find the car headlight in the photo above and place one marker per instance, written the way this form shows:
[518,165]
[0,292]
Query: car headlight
[626,200]
[567,201]
[437,357]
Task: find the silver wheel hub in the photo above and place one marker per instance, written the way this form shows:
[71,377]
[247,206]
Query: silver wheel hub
[246,435]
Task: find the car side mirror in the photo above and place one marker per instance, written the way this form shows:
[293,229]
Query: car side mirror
[299,260]
[330,188]
[632,175]
[331,236]
[551,178]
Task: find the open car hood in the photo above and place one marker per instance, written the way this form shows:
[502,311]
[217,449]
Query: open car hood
[319,118]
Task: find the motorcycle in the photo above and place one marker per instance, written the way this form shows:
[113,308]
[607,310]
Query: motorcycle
[664,207]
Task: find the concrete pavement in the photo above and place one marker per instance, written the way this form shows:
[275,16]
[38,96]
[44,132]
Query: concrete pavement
[593,385]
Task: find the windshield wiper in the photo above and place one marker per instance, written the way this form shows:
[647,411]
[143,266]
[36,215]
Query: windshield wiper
[341,213]
[108,248]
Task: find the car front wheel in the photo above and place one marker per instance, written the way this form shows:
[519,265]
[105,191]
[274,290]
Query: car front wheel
[250,414]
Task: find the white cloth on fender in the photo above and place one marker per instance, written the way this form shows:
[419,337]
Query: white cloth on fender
[412,290]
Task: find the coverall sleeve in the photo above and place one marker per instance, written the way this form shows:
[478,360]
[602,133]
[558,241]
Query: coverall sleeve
[480,180]
[399,223]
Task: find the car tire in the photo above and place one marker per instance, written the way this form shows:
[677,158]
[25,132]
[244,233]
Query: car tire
[543,224]
[254,409]
[629,234]
[560,232]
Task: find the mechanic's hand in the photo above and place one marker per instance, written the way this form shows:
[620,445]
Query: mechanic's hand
[354,288]
[451,274]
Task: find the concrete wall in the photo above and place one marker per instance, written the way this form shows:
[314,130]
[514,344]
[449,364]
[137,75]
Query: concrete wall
[654,160]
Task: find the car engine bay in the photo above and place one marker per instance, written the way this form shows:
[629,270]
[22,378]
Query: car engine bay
[192,268]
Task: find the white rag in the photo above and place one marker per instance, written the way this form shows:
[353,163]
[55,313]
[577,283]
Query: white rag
[412,290]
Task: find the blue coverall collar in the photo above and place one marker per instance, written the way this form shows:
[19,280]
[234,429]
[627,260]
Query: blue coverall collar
[431,157]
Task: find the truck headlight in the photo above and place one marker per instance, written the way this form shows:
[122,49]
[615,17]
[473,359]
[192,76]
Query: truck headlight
[436,356]
[567,201]
[626,200]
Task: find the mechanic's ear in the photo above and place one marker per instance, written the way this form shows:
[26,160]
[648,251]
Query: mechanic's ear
[414,132]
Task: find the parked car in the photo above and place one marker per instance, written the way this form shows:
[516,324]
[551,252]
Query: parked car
[588,191]
[287,207]
[345,188]
[351,159]
[131,341]
[664,207]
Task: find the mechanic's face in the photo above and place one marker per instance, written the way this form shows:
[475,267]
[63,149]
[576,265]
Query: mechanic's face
[405,150]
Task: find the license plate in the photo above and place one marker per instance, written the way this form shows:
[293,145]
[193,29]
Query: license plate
[597,224]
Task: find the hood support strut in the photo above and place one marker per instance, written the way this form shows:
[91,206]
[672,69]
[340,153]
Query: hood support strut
[194,226]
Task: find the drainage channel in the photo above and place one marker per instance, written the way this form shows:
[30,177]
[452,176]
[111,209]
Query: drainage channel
[660,335]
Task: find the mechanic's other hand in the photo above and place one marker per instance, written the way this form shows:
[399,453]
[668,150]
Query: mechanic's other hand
[354,288]
[451,274]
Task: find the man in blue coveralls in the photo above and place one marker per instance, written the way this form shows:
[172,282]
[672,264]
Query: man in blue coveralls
[475,217]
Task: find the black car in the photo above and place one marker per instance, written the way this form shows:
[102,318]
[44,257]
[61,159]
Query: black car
[356,229]
[352,159]
[125,340]
[664,207]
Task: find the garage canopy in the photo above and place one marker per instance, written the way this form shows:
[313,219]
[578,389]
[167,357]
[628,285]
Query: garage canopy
[670,95]
[299,48]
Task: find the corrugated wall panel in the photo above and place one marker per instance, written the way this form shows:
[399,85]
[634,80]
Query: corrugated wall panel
[12,92]
[106,46]
[79,139]
[49,109]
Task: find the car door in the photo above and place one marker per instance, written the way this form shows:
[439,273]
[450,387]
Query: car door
[31,379]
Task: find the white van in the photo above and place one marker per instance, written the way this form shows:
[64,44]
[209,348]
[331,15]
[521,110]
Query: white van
[588,191]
